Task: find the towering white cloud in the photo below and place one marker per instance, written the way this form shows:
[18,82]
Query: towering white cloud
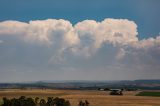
[110,30]
[85,37]
[147,43]
[115,31]
[111,43]
[42,31]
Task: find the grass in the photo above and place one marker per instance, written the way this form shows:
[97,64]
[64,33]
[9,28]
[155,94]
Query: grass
[149,93]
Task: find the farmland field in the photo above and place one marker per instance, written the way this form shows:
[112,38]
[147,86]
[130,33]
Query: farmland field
[95,98]
[149,93]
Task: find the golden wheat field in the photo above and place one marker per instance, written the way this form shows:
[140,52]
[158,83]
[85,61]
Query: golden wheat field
[95,98]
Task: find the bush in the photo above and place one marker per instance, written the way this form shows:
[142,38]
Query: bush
[61,102]
[85,103]
[23,101]
[42,102]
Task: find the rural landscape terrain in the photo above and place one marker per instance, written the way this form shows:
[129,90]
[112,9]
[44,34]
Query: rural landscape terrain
[95,98]
[96,93]
[79,52]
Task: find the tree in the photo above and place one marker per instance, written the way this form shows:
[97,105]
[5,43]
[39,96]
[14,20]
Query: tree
[6,102]
[81,103]
[36,100]
[30,102]
[42,102]
[50,101]
[67,103]
[85,103]
[23,101]
[61,102]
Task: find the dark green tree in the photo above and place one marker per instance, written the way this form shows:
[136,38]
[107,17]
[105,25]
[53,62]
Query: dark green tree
[85,103]
[50,101]
[36,100]
[42,102]
[6,102]
[30,102]
[61,102]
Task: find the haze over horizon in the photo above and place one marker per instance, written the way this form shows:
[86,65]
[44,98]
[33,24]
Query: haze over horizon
[79,40]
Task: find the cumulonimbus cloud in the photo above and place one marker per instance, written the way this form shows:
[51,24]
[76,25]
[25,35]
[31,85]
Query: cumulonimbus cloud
[84,37]
[111,44]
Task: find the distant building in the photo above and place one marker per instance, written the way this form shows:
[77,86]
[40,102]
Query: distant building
[116,91]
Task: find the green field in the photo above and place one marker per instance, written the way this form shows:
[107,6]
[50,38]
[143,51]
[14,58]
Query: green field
[149,93]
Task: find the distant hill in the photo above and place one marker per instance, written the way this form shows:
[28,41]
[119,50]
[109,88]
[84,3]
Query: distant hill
[82,84]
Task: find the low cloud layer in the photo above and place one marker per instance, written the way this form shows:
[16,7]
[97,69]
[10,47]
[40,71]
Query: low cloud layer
[88,50]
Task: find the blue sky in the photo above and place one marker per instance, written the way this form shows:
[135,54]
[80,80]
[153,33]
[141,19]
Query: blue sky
[144,12]
[79,39]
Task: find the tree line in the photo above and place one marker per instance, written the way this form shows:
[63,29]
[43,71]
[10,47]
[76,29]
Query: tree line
[24,101]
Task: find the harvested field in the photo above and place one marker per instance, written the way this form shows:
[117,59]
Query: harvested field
[95,98]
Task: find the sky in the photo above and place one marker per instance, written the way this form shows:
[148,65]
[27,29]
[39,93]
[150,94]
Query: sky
[79,40]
